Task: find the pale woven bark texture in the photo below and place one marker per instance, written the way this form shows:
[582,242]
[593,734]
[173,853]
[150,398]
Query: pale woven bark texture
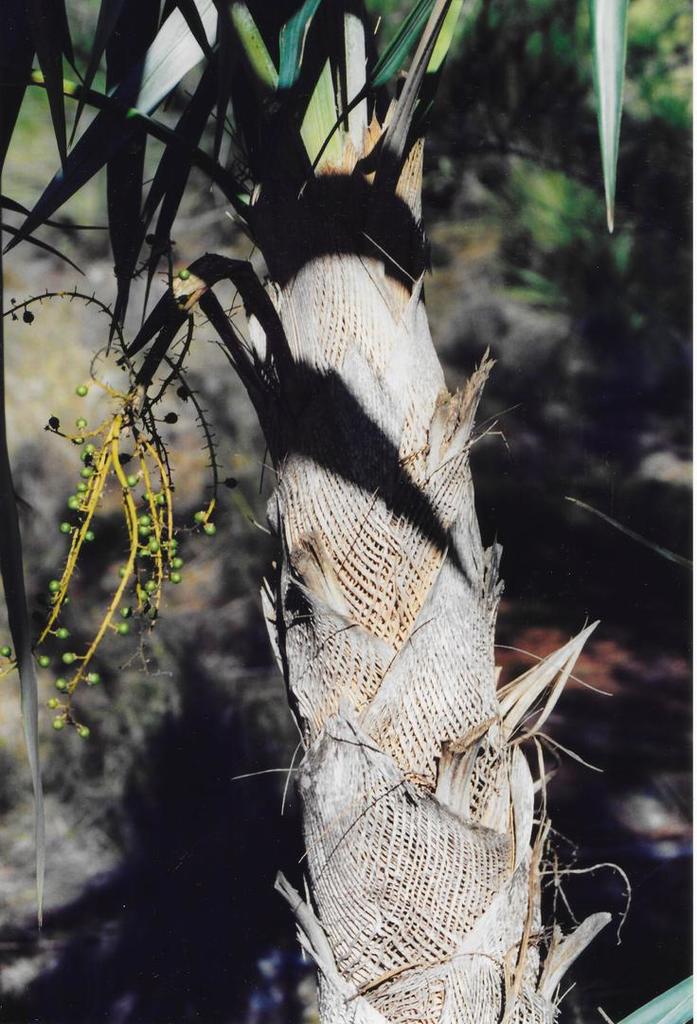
[424,843]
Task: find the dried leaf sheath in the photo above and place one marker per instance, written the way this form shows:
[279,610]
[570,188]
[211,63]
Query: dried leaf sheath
[418,805]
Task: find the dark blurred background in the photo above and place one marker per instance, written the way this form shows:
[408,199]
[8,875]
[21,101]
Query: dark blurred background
[161,860]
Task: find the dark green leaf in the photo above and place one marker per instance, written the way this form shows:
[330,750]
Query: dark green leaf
[41,245]
[48,25]
[105,136]
[397,133]
[291,43]
[12,571]
[11,204]
[192,16]
[174,168]
[16,55]
[167,316]
[170,57]
[161,345]
[400,47]
[239,354]
[392,60]
[165,312]
[226,54]
[109,13]
[132,35]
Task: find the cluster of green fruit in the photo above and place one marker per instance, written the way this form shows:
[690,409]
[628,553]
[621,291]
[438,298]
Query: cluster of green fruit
[154,551]
[201,519]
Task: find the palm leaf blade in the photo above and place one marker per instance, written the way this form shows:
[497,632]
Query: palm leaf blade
[42,245]
[47,23]
[399,48]
[12,572]
[609,46]
[109,14]
[671,1007]
[192,16]
[174,168]
[445,37]
[16,55]
[172,55]
[291,42]
[132,35]
[254,46]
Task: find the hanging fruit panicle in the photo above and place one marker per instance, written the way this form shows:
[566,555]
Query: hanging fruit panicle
[125,435]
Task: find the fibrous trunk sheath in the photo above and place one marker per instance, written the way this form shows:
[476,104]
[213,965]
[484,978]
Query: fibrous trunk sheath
[424,839]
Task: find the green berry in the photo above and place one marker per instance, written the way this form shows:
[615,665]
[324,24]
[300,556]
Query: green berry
[86,472]
[126,613]
[93,678]
[122,571]
[173,544]
[44,660]
[175,577]
[177,563]
[6,651]
[65,527]
[89,449]
[73,502]
[81,390]
[78,440]
[81,423]
[81,487]
[132,480]
[61,684]
[83,732]
[68,658]
[144,531]
[52,702]
[58,724]
[62,633]
[154,546]
[144,521]
[160,499]
[150,587]
[184,275]
[209,528]
[54,586]
[89,535]
[199,517]
[123,629]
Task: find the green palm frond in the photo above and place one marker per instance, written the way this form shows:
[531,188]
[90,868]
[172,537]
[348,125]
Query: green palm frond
[671,1007]
[609,46]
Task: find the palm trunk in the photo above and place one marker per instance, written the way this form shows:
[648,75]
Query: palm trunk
[425,831]
[424,846]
